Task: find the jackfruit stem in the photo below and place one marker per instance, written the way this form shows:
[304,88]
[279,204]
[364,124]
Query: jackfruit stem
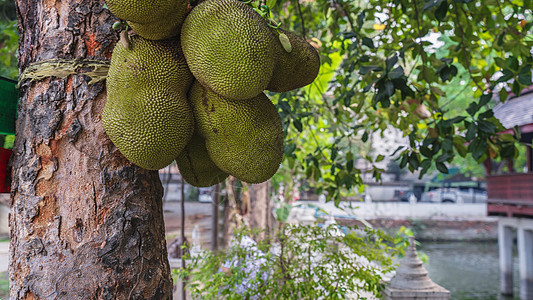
[125,39]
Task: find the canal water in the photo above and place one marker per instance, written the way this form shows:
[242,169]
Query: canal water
[469,270]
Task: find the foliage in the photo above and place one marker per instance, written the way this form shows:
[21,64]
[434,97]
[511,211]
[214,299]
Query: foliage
[8,39]
[381,62]
[299,262]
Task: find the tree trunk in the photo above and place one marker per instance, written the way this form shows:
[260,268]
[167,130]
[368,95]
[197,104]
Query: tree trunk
[261,211]
[85,223]
[252,210]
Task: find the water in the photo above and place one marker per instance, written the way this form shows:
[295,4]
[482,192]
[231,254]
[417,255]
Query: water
[469,270]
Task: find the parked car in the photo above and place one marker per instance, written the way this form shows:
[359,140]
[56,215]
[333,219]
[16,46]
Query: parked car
[405,196]
[205,195]
[456,195]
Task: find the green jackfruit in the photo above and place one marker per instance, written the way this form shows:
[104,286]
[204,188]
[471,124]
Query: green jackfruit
[141,11]
[165,27]
[196,166]
[146,115]
[243,138]
[294,69]
[161,30]
[229,48]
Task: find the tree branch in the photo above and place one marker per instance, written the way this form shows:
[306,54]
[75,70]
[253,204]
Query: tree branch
[301,18]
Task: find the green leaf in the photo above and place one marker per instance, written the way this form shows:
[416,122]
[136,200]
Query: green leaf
[477,148]
[365,137]
[447,144]
[365,69]
[444,157]
[390,62]
[441,11]
[334,152]
[431,3]
[483,100]
[503,94]
[284,105]
[289,148]
[413,161]
[271,3]
[368,42]
[512,63]
[525,79]
[403,161]
[508,151]
[364,58]
[298,124]
[516,89]
[472,108]
[349,161]
[396,73]
[471,132]
[426,152]
[441,167]
[487,127]
[389,89]
[507,75]
[460,146]
[380,158]
[396,151]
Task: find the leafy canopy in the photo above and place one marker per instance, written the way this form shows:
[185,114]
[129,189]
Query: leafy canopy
[431,69]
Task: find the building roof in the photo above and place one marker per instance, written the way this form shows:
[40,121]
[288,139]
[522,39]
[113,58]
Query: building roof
[516,111]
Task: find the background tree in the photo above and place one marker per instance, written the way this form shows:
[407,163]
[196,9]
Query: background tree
[85,223]
[381,61]
[8,39]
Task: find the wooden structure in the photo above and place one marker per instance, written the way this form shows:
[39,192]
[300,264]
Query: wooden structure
[510,196]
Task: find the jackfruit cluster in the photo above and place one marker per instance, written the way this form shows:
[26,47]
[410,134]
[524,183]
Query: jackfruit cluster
[190,88]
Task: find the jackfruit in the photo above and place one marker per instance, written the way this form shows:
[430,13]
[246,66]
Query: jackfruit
[165,29]
[195,165]
[146,115]
[294,69]
[243,138]
[229,48]
[141,11]
[168,25]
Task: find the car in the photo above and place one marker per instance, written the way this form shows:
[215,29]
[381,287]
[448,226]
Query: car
[205,195]
[456,195]
[405,196]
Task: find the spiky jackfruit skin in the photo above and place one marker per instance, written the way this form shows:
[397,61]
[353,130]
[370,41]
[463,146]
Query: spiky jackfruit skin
[294,69]
[147,115]
[168,25]
[160,30]
[196,166]
[243,138]
[229,48]
[141,11]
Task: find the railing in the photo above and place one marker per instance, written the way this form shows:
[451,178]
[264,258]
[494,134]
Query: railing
[510,195]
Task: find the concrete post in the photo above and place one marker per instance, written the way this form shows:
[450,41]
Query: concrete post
[525,258]
[505,244]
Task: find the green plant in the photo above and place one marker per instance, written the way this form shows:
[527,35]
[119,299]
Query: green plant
[299,262]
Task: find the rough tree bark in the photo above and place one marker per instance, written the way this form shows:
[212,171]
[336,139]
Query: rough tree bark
[261,210]
[252,209]
[85,223]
